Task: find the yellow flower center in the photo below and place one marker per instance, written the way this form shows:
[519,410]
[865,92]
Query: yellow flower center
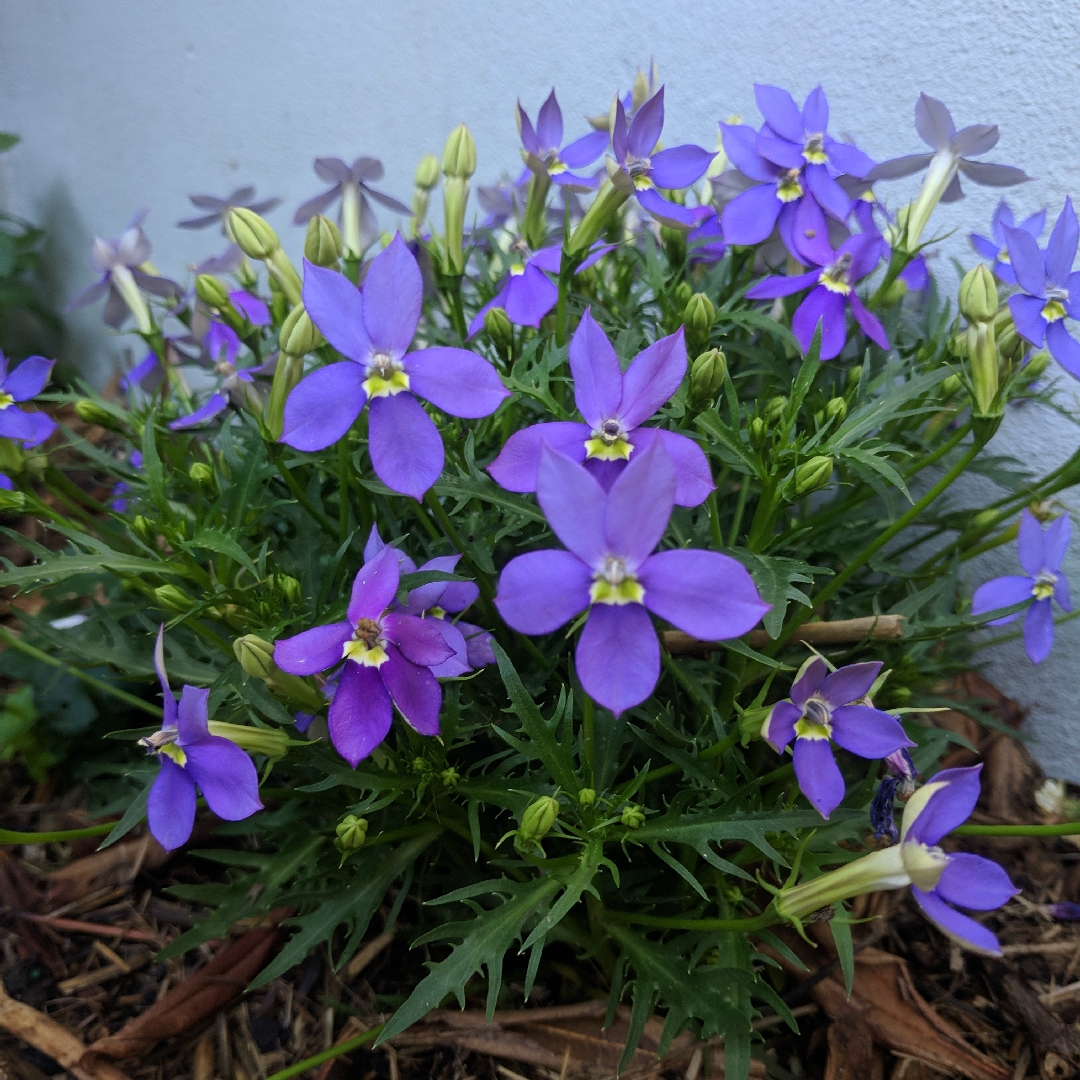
[173,751]
[365,647]
[1055,309]
[1003,256]
[837,277]
[788,187]
[164,742]
[608,443]
[517,269]
[638,168]
[1043,588]
[6,400]
[385,376]
[814,723]
[614,584]
[814,149]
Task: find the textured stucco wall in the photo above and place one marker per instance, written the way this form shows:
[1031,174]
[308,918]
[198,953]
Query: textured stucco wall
[126,103]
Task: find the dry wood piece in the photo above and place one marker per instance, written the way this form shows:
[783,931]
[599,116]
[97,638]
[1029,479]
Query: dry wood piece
[841,632]
[367,954]
[102,974]
[77,926]
[852,1055]
[1056,1047]
[115,866]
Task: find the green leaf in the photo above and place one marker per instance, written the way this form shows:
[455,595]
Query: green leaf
[711,424]
[7,140]
[845,951]
[775,578]
[592,856]
[63,567]
[151,464]
[133,815]
[807,373]
[880,465]
[483,943]
[223,544]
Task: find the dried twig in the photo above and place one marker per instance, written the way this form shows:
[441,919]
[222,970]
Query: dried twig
[841,632]
[77,926]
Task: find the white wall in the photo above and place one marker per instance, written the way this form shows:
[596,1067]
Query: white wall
[126,103]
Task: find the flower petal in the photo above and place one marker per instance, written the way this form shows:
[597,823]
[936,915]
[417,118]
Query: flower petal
[973,882]
[1000,593]
[618,656]
[693,478]
[1028,317]
[871,326]
[740,145]
[809,679]
[226,776]
[549,124]
[667,212]
[703,593]
[952,796]
[217,403]
[782,285]
[1029,543]
[360,713]
[680,167]
[405,446]
[28,428]
[1039,631]
[868,733]
[29,378]
[818,774]
[781,113]
[529,296]
[392,296]
[828,193]
[828,308]
[479,645]
[519,460]
[849,159]
[849,683]
[1063,347]
[1056,542]
[1027,262]
[420,641]
[598,378]
[952,924]
[334,305]
[750,217]
[313,650]
[1061,248]
[782,152]
[170,808]
[543,590]
[639,506]
[646,126]
[933,122]
[779,727]
[651,379]
[810,234]
[191,716]
[374,587]
[323,406]
[584,151]
[428,596]
[456,381]
[416,692]
[458,663]
[573,502]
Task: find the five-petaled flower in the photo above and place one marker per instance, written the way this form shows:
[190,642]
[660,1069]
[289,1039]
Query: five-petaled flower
[190,756]
[610,569]
[22,384]
[388,657]
[1040,553]
[996,246]
[544,153]
[1050,291]
[373,329]
[823,708]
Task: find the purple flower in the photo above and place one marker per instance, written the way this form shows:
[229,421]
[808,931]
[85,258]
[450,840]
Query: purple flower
[901,767]
[1049,289]
[149,366]
[642,169]
[1040,553]
[373,329]
[824,708]
[191,756]
[22,384]
[120,489]
[882,811]
[388,657]
[916,275]
[610,570]
[997,249]
[218,208]
[237,388]
[832,293]
[706,242]
[528,294]
[1065,910]
[614,405]
[503,201]
[542,153]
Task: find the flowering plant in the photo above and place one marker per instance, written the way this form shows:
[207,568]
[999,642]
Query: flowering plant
[649,467]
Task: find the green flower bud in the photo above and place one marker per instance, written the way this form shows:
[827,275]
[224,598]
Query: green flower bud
[983,358]
[256,656]
[498,327]
[459,154]
[12,500]
[323,244]
[36,464]
[455,196]
[698,318]
[144,529]
[90,412]
[201,473]
[351,832]
[299,335]
[450,777]
[253,234]
[12,458]
[759,432]
[173,598]
[632,816]
[707,375]
[949,386]
[1036,365]
[813,474]
[774,408]
[421,765]
[978,294]
[750,724]
[289,587]
[427,172]
[587,796]
[273,742]
[1010,345]
[538,819]
[854,375]
[683,292]
[836,408]
[212,291]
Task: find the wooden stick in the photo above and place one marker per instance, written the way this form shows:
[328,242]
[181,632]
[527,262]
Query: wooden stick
[76,926]
[841,632]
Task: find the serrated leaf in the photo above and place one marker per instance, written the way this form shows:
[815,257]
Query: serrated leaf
[151,463]
[62,567]
[592,856]
[880,465]
[223,544]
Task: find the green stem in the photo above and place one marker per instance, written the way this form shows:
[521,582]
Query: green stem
[293,485]
[9,837]
[588,727]
[328,1055]
[740,507]
[457,311]
[740,926]
[1065,828]
[99,684]
[714,520]
[560,306]
[940,452]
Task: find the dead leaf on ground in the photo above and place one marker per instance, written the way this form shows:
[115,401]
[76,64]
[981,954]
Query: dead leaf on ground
[116,865]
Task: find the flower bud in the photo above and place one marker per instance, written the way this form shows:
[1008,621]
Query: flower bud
[707,375]
[144,529]
[256,656]
[323,244]
[854,375]
[459,154]
[949,386]
[836,408]
[978,294]
[12,500]
[173,598]
[498,327]
[759,432]
[421,765]
[1036,365]
[774,408]
[212,291]
[632,816]
[299,335]
[201,473]
[901,766]
[289,372]
[538,819]
[36,464]
[289,587]
[12,458]
[351,832]
[273,742]
[90,412]
[455,196]
[254,235]
[587,797]
[698,318]
[450,777]
[751,722]
[427,172]
[813,474]
[682,295]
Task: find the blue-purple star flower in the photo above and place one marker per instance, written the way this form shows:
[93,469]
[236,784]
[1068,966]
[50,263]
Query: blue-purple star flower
[191,757]
[642,168]
[544,153]
[705,242]
[995,247]
[1041,553]
[614,404]
[528,294]
[503,201]
[916,275]
[824,708]
[388,657]
[373,329]
[1050,291]
[22,384]
[216,210]
[145,374]
[832,291]
[610,569]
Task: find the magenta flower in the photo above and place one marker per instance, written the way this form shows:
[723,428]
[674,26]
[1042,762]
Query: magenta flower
[996,246]
[825,708]
[1049,290]
[1041,553]
[22,384]
[388,658]
[832,293]
[373,329]
[614,405]
[610,570]
[191,757]
[542,152]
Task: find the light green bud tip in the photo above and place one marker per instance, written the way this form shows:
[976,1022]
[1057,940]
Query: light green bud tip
[323,244]
[256,656]
[1037,364]
[143,529]
[978,294]
[813,474]
[774,408]
[421,765]
[12,500]
[632,816]
[707,374]
[450,777]
[172,598]
[949,385]
[201,473]
[498,327]
[854,375]
[699,314]
[288,586]
[211,291]
[90,412]
[587,796]
[683,293]
[299,335]
[459,154]
[836,408]
[758,431]
[538,819]
[254,236]
[427,172]
[351,832]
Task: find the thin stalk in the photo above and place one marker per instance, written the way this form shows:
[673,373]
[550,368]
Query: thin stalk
[740,926]
[328,1055]
[9,837]
[714,520]
[588,728]
[740,507]
[1065,828]
[300,495]
[457,311]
